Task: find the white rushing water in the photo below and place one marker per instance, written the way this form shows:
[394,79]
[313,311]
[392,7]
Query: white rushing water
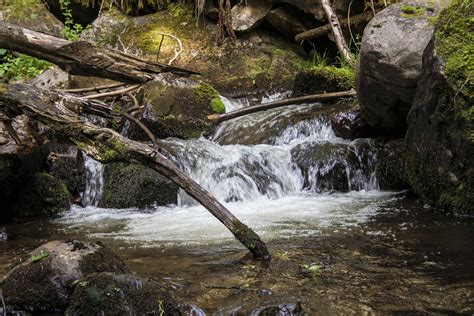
[94,181]
[285,182]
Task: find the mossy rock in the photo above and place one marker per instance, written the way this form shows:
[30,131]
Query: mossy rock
[390,166]
[31,14]
[43,195]
[178,110]
[133,185]
[323,79]
[44,283]
[121,294]
[440,137]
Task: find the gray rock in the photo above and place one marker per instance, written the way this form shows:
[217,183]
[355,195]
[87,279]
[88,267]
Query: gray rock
[53,78]
[249,14]
[389,64]
[133,185]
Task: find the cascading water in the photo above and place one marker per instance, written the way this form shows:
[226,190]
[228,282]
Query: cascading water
[283,176]
[94,181]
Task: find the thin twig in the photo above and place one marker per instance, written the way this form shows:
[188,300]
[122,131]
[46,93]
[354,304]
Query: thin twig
[142,126]
[112,93]
[89,89]
[176,52]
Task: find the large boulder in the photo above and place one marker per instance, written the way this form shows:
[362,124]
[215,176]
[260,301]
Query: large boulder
[390,169]
[440,136]
[351,124]
[389,63]
[134,185]
[44,283]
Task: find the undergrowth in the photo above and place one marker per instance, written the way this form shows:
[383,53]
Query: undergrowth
[22,67]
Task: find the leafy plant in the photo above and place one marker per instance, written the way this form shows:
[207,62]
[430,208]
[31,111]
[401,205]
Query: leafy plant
[72,31]
[21,67]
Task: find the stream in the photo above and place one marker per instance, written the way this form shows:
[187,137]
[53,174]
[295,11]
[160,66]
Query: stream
[339,244]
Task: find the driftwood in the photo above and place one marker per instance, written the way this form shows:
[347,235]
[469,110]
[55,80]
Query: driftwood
[60,113]
[337,32]
[82,58]
[326,29]
[218,118]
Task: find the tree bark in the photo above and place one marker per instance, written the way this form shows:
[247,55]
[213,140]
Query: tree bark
[337,31]
[60,113]
[82,58]
[326,29]
[218,118]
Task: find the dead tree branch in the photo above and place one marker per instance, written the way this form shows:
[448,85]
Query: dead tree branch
[218,118]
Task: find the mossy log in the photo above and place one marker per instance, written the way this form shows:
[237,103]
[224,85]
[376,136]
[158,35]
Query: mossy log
[218,118]
[81,57]
[60,113]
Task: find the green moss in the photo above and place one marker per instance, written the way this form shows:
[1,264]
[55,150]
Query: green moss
[455,43]
[412,12]
[217,105]
[42,255]
[24,9]
[113,151]
[43,195]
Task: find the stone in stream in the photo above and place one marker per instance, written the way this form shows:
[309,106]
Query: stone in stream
[389,64]
[45,281]
[133,185]
[80,278]
[351,125]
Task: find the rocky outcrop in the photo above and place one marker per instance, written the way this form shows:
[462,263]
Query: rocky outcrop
[133,185]
[389,64]
[440,136]
[249,14]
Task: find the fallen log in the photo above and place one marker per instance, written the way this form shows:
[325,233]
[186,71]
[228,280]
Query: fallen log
[81,57]
[218,118]
[326,29]
[59,112]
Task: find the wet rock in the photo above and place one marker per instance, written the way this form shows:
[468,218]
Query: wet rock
[65,162]
[247,15]
[289,309]
[439,140]
[391,165]
[43,284]
[389,64]
[43,195]
[308,6]
[121,294]
[177,109]
[351,125]
[286,21]
[34,16]
[333,167]
[133,185]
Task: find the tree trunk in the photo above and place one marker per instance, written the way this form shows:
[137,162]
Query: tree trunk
[326,29]
[218,118]
[337,31]
[59,112]
[82,58]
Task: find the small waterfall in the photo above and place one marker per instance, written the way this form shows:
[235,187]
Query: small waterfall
[94,181]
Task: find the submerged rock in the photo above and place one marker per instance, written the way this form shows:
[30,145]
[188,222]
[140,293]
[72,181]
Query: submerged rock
[134,185]
[440,136]
[121,294]
[43,284]
[389,64]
